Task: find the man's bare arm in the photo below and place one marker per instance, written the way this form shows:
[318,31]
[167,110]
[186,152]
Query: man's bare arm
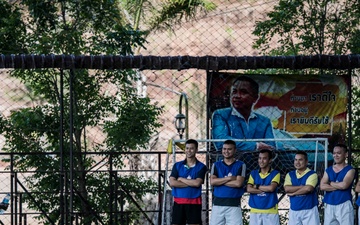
[252,190]
[325,184]
[176,183]
[216,181]
[191,182]
[348,180]
[268,188]
[304,189]
[291,189]
[237,183]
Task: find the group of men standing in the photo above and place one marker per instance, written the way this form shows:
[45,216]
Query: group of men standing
[228,177]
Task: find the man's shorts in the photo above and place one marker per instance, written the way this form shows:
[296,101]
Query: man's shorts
[304,216]
[339,214]
[264,219]
[229,215]
[186,214]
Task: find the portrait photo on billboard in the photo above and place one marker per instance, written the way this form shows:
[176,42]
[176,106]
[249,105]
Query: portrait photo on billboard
[256,106]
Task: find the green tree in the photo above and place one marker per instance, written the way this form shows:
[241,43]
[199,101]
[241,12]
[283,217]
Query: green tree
[104,99]
[151,17]
[11,39]
[355,121]
[309,27]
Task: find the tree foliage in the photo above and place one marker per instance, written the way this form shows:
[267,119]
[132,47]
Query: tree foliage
[170,13]
[104,100]
[151,17]
[11,39]
[310,27]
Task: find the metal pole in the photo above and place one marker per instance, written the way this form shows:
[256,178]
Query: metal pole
[350,134]
[61,149]
[112,200]
[208,147]
[350,117]
[159,188]
[12,188]
[71,155]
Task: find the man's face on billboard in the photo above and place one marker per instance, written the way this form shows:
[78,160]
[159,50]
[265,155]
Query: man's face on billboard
[242,96]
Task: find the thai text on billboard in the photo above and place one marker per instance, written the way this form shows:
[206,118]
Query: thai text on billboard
[302,105]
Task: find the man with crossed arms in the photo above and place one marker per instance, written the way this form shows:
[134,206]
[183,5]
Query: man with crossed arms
[337,184]
[300,186]
[262,186]
[227,178]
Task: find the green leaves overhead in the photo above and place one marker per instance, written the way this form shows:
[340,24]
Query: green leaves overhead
[174,11]
[106,112]
[309,27]
[12,29]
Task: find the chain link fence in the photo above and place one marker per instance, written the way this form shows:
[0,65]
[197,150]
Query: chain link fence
[227,31]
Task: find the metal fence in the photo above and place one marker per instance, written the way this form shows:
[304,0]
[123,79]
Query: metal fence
[167,90]
[173,64]
[153,208]
[148,209]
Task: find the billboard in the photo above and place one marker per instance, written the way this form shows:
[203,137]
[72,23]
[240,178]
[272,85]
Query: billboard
[296,105]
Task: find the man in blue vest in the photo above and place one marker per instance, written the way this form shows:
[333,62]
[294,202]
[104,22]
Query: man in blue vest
[262,186]
[227,179]
[300,186]
[186,179]
[337,184]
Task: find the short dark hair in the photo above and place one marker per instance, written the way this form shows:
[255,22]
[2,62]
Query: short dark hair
[302,153]
[230,142]
[192,141]
[254,85]
[342,146]
[270,153]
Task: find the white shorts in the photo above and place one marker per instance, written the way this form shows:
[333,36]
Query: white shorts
[264,219]
[229,215]
[304,217]
[342,214]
